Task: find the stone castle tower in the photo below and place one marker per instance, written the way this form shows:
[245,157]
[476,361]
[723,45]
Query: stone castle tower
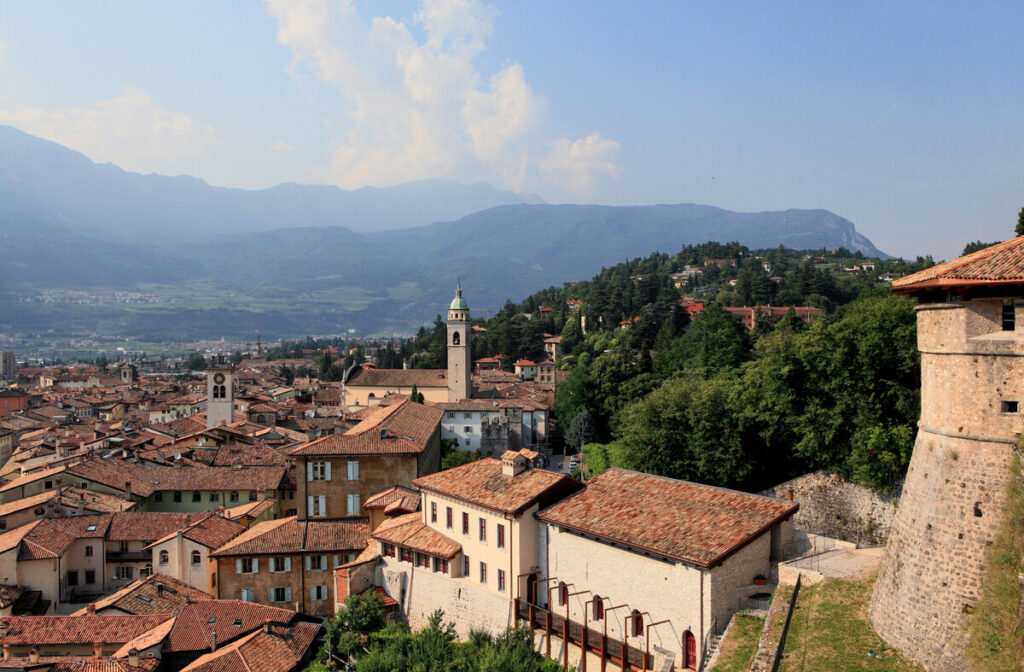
[970,332]
[460,383]
[220,395]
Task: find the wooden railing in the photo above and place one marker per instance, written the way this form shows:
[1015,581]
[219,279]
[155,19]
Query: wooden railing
[589,639]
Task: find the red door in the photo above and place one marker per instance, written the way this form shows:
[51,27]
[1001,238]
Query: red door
[691,651]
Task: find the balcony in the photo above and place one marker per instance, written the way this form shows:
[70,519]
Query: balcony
[129,556]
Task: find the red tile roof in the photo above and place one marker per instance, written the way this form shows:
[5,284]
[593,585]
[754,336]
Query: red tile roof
[251,509]
[404,498]
[155,594]
[196,621]
[145,480]
[1002,263]
[290,535]
[370,377]
[411,532]
[483,484]
[78,664]
[697,524]
[72,630]
[280,649]
[402,428]
[211,531]
[150,526]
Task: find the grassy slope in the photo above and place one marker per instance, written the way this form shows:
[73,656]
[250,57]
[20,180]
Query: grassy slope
[739,647]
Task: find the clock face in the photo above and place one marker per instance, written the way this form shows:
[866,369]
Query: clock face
[218,378]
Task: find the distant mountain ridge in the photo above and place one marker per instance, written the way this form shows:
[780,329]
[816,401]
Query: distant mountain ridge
[294,260]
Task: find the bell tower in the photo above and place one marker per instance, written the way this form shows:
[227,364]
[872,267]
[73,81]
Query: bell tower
[220,395]
[460,384]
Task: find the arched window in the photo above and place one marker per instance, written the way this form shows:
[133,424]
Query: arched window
[196,558]
[455,338]
[371,395]
[165,557]
[637,619]
[216,391]
[563,593]
[598,608]
[223,392]
[689,651]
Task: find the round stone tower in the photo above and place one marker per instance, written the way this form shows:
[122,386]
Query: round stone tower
[972,395]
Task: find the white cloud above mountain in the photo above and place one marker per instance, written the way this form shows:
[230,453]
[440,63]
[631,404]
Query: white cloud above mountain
[415,109]
[129,130]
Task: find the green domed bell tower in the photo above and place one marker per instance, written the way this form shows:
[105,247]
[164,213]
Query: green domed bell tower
[460,384]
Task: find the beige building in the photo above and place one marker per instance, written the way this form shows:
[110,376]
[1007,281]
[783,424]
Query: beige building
[185,554]
[392,446]
[657,564]
[367,386]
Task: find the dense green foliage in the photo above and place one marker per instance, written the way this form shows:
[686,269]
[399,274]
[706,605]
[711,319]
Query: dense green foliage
[359,633]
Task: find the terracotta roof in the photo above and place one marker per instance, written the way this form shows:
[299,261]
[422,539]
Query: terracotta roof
[211,531]
[145,480]
[149,526]
[52,536]
[280,649]
[27,502]
[90,500]
[1002,263]
[71,630]
[32,477]
[78,664]
[696,524]
[406,498]
[524,362]
[402,428]
[290,535]
[370,377]
[250,509]
[155,594]
[411,532]
[196,621]
[388,600]
[482,483]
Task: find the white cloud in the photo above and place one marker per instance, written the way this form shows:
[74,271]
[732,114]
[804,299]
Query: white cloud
[281,146]
[576,165]
[419,108]
[130,130]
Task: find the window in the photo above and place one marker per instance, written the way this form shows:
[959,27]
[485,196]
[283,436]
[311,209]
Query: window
[465,523]
[233,496]
[124,546]
[90,576]
[563,593]
[1009,315]
[214,496]
[278,594]
[353,505]
[448,517]
[318,471]
[404,555]
[467,429]
[353,470]
[637,620]
[483,572]
[598,608]
[47,484]
[467,416]
[441,565]
[316,563]
[317,593]
[465,565]
[252,495]
[247,565]
[3,523]
[433,512]
[88,551]
[123,572]
[451,416]
[317,506]
[197,558]
[197,496]
[280,564]
[389,550]
[248,595]
[483,530]
[501,580]
[501,536]
[165,557]
[158,496]
[72,578]
[177,496]
[1007,406]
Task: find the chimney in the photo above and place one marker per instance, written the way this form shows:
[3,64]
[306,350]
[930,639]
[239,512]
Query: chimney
[159,590]
[512,464]
[213,642]
[33,655]
[90,609]
[266,625]
[133,657]
[97,649]
[789,495]
[128,490]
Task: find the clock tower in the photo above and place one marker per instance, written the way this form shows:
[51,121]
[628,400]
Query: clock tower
[220,395]
[460,383]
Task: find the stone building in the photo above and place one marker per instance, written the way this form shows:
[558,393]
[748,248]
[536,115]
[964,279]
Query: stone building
[220,395]
[972,385]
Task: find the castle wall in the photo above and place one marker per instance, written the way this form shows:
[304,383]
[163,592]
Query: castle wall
[955,489]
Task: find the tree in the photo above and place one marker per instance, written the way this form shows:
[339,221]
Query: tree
[195,362]
[416,396]
[1020,222]
[581,430]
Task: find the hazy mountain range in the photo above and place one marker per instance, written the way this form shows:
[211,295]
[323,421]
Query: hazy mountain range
[294,259]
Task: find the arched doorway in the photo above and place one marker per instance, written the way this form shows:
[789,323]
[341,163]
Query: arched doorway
[689,651]
[531,589]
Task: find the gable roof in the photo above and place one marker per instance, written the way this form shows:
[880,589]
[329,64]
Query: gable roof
[411,532]
[361,376]
[697,524]
[279,648]
[149,525]
[402,428]
[155,594]
[229,619]
[483,484]
[394,498]
[211,531]
[290,535]
[145,480]
[71,630]
[1002,263]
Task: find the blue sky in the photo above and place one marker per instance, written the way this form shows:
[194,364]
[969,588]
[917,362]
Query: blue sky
[906,118]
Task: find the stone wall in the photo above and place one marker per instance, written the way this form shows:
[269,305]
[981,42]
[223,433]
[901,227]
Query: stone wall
[833,507]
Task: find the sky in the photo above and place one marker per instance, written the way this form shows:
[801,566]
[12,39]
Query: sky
[906,118]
